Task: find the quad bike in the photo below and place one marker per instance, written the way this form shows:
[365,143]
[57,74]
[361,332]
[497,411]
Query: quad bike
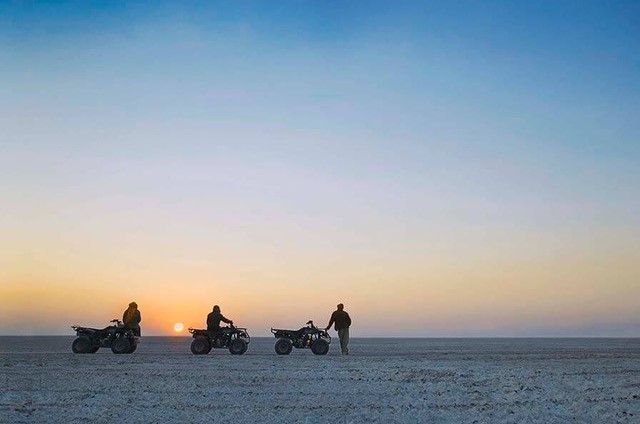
[234,338]
[118,337]
[308,336]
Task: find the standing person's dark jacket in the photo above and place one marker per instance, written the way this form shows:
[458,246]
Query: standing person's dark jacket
[133,321]
[213,320]
[341,319]
[131,318]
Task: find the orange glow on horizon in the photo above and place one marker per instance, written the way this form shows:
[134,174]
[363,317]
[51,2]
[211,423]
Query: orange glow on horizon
[500,291]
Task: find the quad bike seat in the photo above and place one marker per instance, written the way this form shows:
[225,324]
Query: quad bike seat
[95,330]
[295,333]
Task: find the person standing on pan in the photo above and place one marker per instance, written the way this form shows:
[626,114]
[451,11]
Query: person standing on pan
[343,321]
[131,318]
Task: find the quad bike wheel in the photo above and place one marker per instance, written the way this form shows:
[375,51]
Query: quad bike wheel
[283,347]
[237,347]
[133,347]
[94,349]
[120,345]
[200,346]
[82,345]
[320,347]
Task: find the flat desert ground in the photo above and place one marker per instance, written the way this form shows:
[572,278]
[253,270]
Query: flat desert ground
[384,380]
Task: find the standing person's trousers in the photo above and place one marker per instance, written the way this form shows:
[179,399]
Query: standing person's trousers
[343,335]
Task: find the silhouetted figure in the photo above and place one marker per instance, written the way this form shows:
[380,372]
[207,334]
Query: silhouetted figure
[343,322]
[131,318]
[213,321]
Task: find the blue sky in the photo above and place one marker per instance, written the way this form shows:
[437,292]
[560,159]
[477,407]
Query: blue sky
[402,131]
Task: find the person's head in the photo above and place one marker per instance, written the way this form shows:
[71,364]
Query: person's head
[216,308]
[340,306]
[133,305]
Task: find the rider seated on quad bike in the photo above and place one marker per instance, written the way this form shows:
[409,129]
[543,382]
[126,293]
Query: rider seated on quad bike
[131,318]
[213,322]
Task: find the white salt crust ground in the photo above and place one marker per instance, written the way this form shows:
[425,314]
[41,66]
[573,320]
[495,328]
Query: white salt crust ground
[384,380]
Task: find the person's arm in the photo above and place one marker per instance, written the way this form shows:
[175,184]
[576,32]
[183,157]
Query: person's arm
[348,319]
[209,321]
[228,321]
[331,321]
[138,317]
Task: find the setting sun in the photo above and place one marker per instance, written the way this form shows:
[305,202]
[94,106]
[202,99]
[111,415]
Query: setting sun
[178,327]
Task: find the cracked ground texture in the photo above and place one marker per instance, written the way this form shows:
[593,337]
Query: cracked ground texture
[384,380]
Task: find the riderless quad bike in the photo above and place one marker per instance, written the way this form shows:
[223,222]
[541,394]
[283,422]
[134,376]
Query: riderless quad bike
[118,337]
[234,338]
[308,336]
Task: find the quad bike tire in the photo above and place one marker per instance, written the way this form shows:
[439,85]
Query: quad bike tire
[283,347]
[133,347]
[200,346]
[120,345]
[94,349]
[320,347]
[82,345]
[237,347]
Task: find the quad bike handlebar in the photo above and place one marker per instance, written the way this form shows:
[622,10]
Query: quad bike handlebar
[312,325]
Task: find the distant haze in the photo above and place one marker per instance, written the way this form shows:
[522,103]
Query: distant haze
[442,170]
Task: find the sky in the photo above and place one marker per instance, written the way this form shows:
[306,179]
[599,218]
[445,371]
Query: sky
[443,169]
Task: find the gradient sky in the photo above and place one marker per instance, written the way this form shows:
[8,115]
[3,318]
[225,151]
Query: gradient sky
[467,169]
